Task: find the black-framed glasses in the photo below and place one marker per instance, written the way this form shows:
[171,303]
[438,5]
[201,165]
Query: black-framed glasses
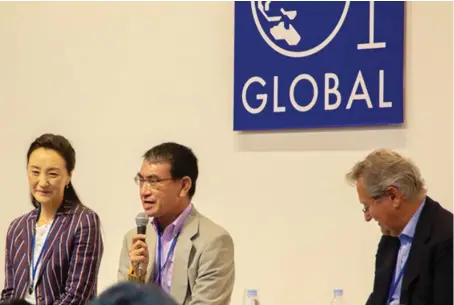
[151,182]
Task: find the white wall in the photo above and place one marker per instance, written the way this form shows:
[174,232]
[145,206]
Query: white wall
[118,78]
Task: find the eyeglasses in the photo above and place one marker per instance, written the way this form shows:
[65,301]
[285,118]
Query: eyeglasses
[153,182]
[374,201]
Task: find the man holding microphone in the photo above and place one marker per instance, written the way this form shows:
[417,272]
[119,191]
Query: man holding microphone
[188,255]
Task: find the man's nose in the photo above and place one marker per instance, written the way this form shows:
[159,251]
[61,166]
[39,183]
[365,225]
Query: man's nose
[145,190]
[367,216]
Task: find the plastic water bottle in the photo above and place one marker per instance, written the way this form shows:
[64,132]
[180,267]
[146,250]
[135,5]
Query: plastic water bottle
[338,297]
[251,297]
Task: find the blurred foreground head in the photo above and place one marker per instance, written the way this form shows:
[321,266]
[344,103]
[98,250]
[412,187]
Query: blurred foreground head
[129,293]
[14,302]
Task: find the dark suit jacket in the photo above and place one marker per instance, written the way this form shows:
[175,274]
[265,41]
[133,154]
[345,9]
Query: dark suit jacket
[70,263]
[428,276]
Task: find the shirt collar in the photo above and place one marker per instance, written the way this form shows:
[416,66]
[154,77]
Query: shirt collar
[409,230]
[176,226]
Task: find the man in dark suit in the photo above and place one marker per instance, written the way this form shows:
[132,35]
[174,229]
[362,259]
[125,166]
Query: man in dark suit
[414,264]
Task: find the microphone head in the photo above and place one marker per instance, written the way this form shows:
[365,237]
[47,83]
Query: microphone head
[142,219]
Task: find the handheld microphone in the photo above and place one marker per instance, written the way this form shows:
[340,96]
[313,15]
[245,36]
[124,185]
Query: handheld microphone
[141,222]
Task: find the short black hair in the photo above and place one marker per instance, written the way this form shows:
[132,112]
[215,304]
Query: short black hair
[183,161]
[131,293]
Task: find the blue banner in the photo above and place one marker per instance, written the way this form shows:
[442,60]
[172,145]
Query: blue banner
[312,64]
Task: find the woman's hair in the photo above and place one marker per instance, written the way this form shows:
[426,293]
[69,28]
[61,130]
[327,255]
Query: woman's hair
[130,293]
[62,146]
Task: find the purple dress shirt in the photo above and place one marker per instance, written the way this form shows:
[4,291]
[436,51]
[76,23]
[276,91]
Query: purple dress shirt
[167,237]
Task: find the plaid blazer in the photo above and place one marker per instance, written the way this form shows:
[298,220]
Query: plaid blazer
[70,264]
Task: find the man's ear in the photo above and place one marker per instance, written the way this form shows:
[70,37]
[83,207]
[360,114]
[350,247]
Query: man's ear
[395,195]
[186,186]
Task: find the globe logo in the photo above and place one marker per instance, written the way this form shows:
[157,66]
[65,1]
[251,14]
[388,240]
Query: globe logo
[289,29]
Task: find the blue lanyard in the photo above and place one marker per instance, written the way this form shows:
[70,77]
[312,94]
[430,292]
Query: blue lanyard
[395,283]
[35,265]
[161,267]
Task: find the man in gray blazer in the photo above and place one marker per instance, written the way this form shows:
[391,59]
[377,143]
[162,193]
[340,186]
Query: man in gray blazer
[184,252]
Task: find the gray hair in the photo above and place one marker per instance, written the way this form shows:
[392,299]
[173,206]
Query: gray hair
[383,168]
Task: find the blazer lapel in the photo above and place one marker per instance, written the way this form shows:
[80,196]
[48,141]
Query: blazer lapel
[386,260]
[151,242]
[421,238]
[29,232]
[179,285]
[26,235]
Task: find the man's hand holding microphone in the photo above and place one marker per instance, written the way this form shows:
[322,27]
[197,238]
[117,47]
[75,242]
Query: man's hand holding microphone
[138,253]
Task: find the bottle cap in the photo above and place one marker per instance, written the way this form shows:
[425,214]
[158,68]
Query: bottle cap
[252,292]
[338,292]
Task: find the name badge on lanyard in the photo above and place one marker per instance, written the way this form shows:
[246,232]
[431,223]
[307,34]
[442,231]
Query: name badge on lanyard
[34,264]
[160,266]
[395,283]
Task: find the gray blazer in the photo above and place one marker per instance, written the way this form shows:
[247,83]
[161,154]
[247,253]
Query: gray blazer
[204,266]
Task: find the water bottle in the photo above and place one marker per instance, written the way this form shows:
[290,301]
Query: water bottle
[338,297]
[251,297]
